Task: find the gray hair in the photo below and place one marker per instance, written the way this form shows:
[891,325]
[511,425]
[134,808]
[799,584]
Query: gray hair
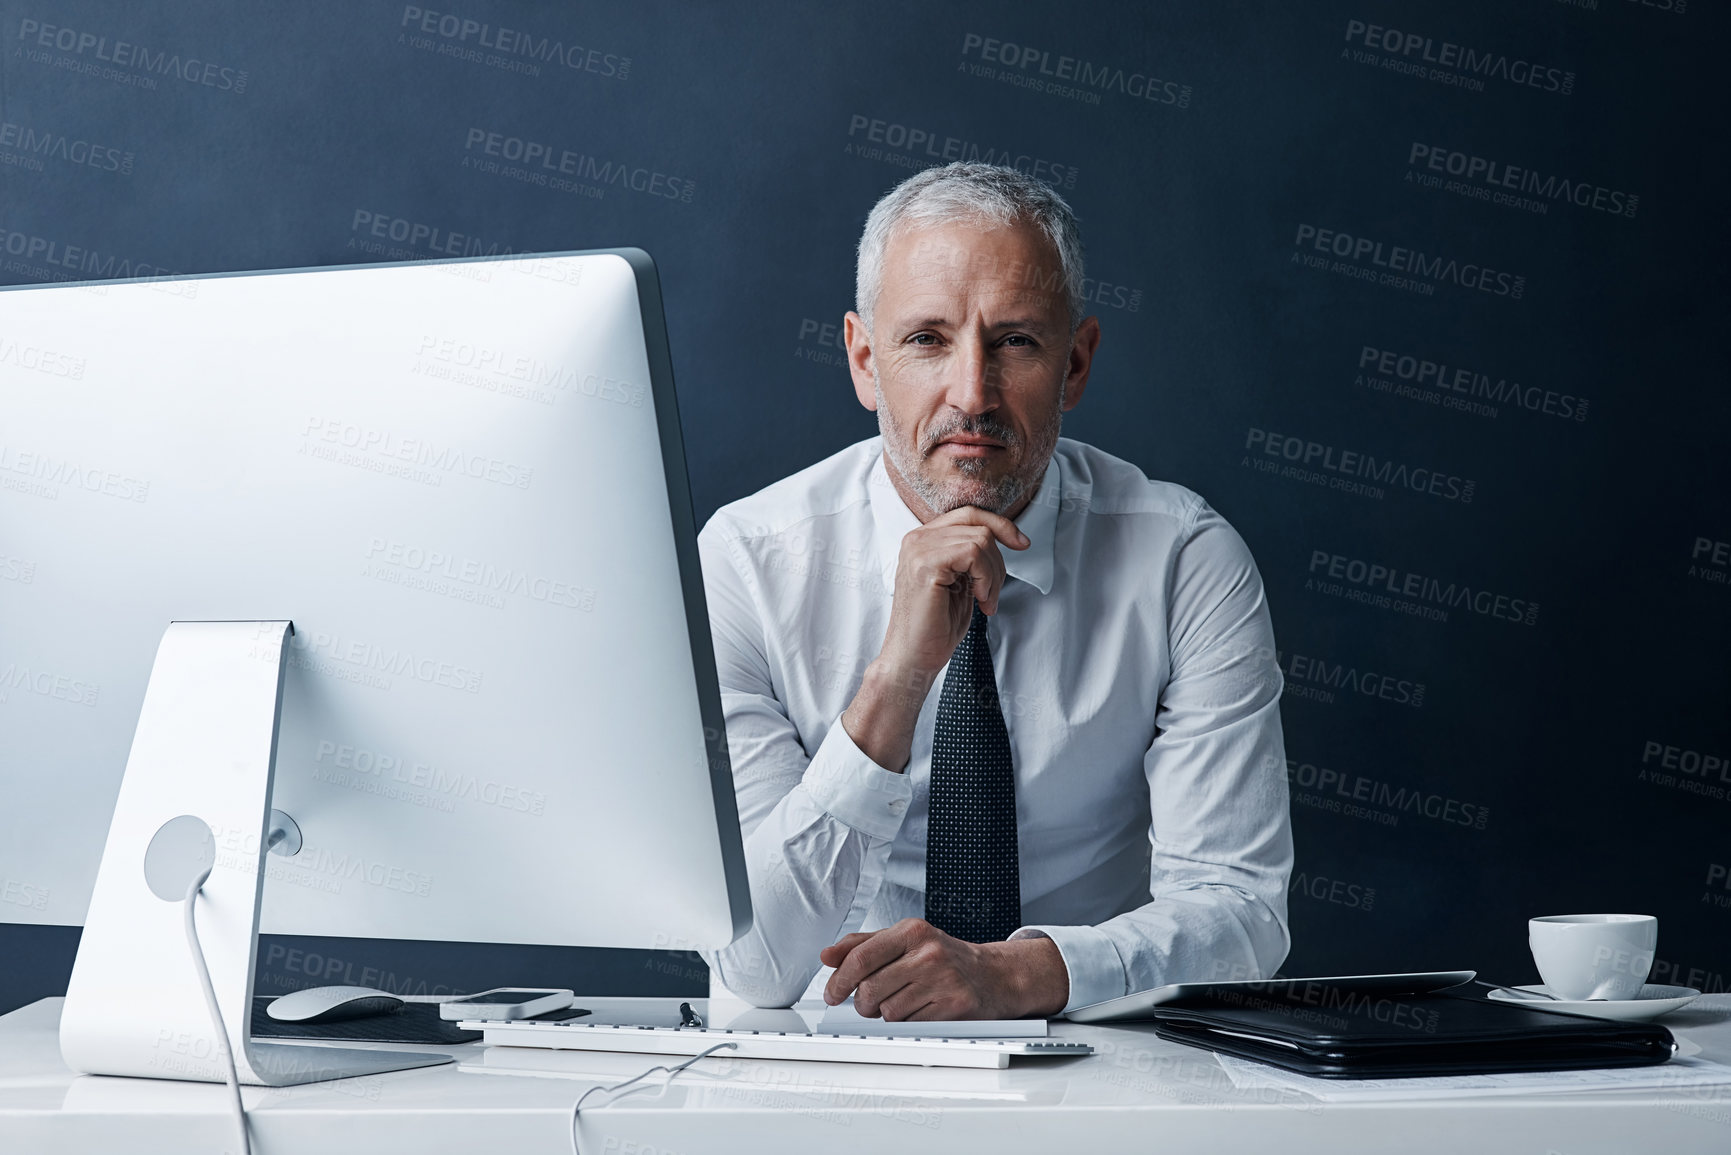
[970,192]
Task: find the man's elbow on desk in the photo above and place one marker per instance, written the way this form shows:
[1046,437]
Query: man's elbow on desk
[755,980]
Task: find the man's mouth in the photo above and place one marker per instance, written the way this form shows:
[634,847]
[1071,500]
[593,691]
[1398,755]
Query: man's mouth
[968,445]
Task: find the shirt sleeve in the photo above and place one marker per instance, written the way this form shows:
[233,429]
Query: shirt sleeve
[1221,832]
[817,826]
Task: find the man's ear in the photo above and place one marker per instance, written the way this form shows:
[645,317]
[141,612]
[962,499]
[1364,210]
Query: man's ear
[1082,349]
[859,360]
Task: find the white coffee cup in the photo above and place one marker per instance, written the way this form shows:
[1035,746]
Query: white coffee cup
[1594,956]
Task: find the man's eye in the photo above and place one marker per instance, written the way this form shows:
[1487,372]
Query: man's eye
[1019,341]
[923,339]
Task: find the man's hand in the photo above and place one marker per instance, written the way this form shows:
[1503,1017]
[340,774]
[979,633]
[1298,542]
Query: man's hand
[946,566]
[914,971]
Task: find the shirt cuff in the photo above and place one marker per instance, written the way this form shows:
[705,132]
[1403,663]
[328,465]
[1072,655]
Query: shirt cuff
[1091,958]
[855,790]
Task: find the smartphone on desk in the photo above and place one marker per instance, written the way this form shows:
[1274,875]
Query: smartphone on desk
[507,1003]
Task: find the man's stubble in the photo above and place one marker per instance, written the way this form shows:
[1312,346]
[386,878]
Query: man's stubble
[911,462]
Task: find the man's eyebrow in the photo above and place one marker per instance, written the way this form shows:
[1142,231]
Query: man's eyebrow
[944,322]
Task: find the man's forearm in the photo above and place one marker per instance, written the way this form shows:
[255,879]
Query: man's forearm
[885,710]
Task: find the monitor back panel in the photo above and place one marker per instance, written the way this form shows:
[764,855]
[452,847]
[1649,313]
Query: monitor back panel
[450,477]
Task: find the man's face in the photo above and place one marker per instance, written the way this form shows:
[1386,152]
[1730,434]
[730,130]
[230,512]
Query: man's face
[970,363]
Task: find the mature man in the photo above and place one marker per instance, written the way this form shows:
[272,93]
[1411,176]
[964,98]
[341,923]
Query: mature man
[1093,803]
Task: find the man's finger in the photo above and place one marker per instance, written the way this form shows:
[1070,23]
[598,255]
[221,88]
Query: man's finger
[878,988]
[986,575]
[1002,527]
[901,978]
[903,986]
[885,947]
[912,1002]
[974,558]
[831,956]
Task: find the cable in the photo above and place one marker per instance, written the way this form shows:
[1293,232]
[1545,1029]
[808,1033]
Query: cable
[216,1011]
[671,1072]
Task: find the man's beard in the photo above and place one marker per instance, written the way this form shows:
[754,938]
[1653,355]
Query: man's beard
[975,488]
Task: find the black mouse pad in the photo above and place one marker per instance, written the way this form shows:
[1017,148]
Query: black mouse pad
[409,1023]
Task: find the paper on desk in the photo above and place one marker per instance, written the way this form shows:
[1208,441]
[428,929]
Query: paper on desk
[842,1019]
[1673,1075]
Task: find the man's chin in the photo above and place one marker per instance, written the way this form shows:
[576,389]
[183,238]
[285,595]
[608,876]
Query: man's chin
[993,493]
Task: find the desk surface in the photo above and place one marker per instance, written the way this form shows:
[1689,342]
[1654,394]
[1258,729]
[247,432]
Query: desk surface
[1136,1093]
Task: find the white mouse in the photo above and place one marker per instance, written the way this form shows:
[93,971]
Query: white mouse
[331,1004]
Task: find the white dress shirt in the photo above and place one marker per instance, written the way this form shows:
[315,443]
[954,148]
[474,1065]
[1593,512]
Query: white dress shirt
[1137,673]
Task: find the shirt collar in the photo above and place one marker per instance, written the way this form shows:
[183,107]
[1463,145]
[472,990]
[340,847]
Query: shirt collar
[892,519]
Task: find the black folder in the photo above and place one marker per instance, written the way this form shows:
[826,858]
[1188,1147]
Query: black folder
[1339,1031]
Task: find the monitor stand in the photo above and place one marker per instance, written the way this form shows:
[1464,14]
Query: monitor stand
[199,775]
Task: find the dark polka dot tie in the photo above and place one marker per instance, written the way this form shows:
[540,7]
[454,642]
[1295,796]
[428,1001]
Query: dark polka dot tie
[973,872]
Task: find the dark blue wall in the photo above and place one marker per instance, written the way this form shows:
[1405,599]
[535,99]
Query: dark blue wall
[1521,202]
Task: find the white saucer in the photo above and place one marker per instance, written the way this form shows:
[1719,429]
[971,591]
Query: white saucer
[1653,1001]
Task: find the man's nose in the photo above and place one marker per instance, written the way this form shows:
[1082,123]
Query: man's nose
[968,386]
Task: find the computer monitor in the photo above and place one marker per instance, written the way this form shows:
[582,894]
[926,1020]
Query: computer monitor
[464,482]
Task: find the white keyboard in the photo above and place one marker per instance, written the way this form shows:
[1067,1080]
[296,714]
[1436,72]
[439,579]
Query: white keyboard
[914,1051]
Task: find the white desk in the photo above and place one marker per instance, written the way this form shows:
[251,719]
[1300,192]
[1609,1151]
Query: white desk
[1136,1094]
